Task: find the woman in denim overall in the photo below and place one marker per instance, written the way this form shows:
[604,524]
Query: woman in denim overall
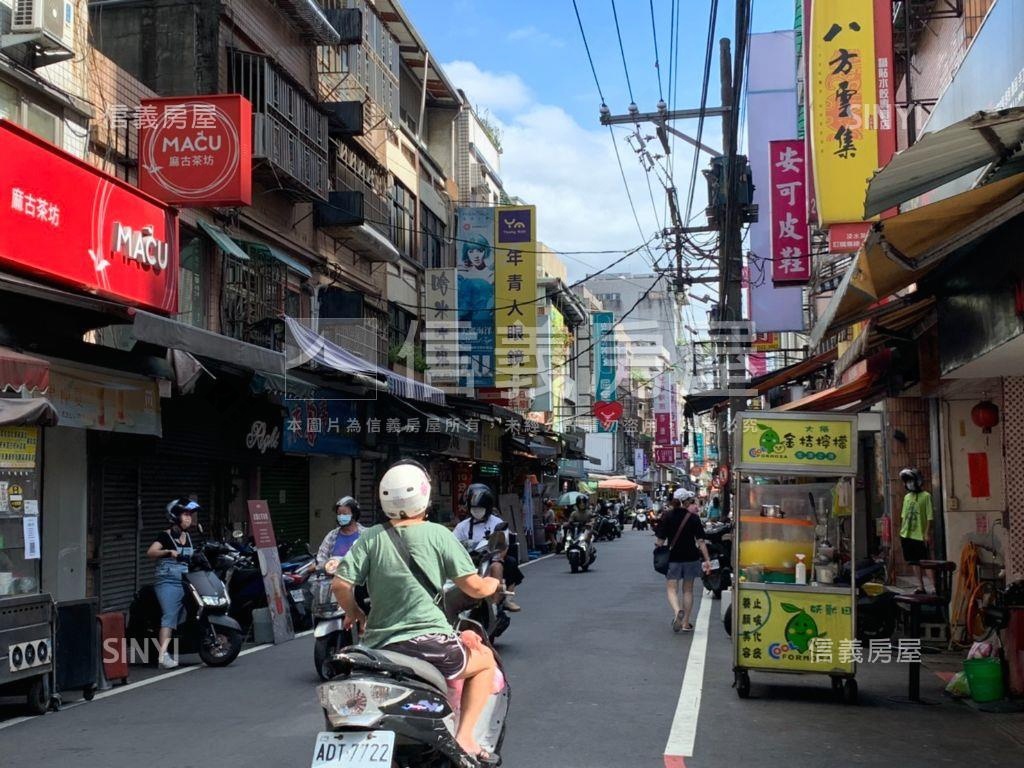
[172,550]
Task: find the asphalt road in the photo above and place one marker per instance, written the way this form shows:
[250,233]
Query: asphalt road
[596,676]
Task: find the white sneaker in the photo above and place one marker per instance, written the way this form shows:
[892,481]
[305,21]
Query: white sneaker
[167,662]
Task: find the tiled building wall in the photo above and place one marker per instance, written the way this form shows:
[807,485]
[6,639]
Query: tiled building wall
[941,48]
[1013,432]
[908,443]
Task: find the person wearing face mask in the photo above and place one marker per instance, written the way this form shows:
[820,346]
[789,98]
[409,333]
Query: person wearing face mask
[682,527]
[479,525]
[172,551]
[339,541]
[915,522]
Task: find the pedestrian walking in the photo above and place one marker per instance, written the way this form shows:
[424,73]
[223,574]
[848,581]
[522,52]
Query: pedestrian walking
[681,526]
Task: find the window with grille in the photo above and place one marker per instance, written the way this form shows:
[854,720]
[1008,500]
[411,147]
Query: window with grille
[403,219]
[253,299]
[432,239]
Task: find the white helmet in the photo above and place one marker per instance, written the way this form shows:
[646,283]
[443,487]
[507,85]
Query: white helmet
[405,490]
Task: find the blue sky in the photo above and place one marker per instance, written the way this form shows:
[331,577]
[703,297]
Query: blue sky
[524,62]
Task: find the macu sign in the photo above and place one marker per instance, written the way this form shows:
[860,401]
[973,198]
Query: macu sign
[66,222]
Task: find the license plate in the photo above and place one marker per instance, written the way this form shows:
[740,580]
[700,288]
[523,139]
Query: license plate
[298,596]
[373,749]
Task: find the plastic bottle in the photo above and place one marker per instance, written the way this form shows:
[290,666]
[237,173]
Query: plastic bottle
[801,570]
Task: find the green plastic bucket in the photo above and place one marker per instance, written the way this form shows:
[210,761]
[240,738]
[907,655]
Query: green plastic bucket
[985,676]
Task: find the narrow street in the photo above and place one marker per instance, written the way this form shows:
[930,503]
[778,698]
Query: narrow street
[596,675]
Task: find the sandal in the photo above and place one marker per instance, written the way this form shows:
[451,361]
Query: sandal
[486,758]
[677,622]
[688,628]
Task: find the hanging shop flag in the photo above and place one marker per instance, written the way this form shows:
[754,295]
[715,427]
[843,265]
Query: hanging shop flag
[791,252]
[441,327]
[605,369]
[475,291]
[843,97]
[64,221]
[515,296]
[196,150]
[663,428]
[767,342]
[885,82]
[664,455]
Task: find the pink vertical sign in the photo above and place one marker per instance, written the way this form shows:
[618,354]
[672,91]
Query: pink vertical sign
[791,253]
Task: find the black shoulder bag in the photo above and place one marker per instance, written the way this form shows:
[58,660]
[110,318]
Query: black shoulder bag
[436,596]
[662,553]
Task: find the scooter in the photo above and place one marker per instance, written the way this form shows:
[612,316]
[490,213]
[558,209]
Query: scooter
[640,521]
[579,547]
[328,619]
[606,528]
[718,538]
[207,629]
[877,610]
[490,615]
[239,568]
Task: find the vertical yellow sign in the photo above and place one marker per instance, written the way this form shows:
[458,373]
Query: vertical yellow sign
[515,297]
[844,106]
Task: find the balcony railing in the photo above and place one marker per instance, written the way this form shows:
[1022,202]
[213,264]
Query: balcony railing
[289,129]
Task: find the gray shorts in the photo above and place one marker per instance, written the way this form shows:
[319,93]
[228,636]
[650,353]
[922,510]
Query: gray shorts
[683,571]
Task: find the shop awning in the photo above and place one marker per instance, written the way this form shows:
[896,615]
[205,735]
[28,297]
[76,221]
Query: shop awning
[702,402]
[370,244]
[792,373]
[223,241]
[985,139]
[307,346]
[172,334]
[33,411]
[23,373]
[900,251]
[270,252]
[861,387]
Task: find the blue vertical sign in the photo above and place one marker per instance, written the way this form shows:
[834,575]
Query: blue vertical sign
[476,295]
[698,448]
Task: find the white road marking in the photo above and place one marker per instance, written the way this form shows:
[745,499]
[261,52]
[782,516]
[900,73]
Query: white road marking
[531,562]
[141,683]
[684,725]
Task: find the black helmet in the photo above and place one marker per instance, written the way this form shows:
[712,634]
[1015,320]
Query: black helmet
[479,495]
[351,503]
[177,507]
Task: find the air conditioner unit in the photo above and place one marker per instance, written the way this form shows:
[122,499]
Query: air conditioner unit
[41,17]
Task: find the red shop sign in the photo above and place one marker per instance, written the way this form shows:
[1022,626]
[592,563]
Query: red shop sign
[68,222]
[790,237]
[196,150]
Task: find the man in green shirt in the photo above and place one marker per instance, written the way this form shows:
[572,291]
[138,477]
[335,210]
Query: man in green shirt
[915,522]
[405,618]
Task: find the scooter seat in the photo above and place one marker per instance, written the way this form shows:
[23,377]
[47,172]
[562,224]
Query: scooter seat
[419,668]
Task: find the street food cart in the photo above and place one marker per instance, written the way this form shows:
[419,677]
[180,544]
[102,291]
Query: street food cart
[794,490]
[26,613]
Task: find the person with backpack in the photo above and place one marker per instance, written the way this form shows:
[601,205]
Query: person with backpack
[682,527]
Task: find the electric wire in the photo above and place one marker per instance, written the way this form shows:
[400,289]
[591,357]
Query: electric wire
[657,58]
[586,47]
[622,50]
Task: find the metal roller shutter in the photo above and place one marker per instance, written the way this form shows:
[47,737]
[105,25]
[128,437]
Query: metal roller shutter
[163,479]
[285,486]
[119,537]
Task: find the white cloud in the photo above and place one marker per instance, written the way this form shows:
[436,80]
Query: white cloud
[567,170]
[534,35]
[497,91]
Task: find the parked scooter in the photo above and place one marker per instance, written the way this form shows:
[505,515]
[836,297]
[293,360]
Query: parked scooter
[240,570]
[579,547]
[718,538]
[207,629]
[876,605]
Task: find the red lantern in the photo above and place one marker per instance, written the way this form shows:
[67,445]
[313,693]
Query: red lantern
[985,415]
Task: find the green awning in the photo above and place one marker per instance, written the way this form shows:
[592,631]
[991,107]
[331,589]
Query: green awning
[223,240]
[272,253]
